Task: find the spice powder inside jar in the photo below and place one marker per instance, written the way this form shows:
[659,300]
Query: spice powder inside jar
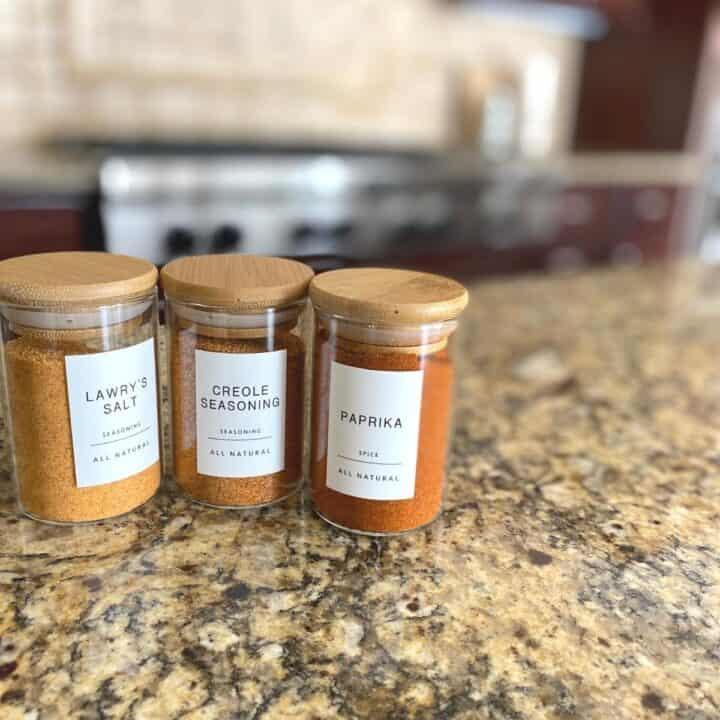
[382,397]
[62,476]
[237,372]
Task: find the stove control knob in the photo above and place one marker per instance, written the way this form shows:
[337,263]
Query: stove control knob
[227,238]
[179,241]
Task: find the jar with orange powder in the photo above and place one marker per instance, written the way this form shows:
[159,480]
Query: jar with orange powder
[78,348]
[236,368]
[382,394]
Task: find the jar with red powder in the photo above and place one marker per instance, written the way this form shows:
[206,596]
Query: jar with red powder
[383,376]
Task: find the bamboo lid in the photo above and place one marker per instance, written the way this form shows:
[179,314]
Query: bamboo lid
[388,296]
[241,283]
[64,280]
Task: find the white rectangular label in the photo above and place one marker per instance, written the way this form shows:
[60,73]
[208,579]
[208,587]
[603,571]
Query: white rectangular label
[113,413]
[373,432]
[240,413]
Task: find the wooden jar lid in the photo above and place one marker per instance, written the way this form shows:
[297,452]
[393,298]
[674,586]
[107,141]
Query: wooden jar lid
[388,296]
[64,280]
[240,283]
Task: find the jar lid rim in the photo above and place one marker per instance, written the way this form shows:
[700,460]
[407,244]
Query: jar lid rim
[243,283]
[388,296]
[66,280]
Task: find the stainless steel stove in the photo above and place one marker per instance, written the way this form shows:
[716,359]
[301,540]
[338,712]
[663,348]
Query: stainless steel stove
[455,214]
[314,204]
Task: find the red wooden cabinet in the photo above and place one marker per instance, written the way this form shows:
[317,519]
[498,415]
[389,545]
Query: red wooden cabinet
[33,230]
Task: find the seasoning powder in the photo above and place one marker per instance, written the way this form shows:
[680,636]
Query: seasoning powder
[385,516]
[233,491]
[40,418]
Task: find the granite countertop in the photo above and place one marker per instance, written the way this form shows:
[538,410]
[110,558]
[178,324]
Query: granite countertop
[575,572]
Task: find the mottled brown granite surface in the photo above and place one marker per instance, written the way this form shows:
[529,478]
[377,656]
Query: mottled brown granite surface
[574,574]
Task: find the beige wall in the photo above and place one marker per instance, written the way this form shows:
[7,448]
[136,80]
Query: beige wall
[358,70]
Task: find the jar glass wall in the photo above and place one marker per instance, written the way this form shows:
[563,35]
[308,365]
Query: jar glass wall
[81,406]
[237,393]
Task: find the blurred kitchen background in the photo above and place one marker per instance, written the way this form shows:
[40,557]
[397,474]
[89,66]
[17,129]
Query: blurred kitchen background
[469,136]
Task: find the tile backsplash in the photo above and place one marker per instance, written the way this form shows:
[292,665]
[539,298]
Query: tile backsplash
[366,71]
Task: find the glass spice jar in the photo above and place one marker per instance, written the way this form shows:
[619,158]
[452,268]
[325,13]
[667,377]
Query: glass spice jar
[237,376]
[78,348]
[382,396]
